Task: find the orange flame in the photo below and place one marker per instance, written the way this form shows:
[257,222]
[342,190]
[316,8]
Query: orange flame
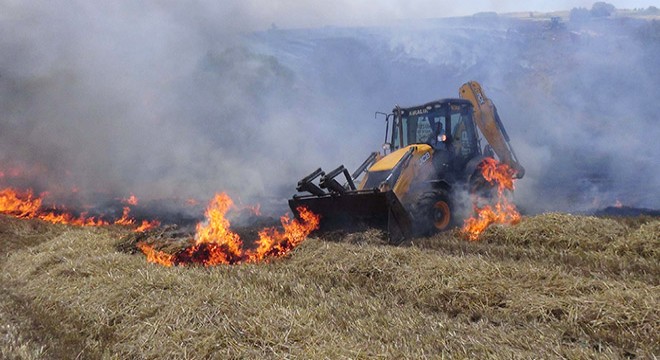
[156,256]
[12,203]
[68,219]
[273,243]
[503,211]
[214,236]
[216,244]
[27,206]
[125,219]
[131,200]
[146,225]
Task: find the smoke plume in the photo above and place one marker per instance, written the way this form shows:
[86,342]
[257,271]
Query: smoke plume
[170,100]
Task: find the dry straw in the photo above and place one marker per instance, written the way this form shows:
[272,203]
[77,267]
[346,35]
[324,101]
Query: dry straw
[554,286]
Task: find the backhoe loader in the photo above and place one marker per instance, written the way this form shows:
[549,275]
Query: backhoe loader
[432,153]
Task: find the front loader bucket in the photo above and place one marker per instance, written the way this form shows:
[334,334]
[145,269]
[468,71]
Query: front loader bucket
[370,207]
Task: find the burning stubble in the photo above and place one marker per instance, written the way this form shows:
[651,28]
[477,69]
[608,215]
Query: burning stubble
[215,243]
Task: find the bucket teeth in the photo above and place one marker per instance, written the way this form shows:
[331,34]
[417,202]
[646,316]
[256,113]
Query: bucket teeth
[306,184]
[328,181]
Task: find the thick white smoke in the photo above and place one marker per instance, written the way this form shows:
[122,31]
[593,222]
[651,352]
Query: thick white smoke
[155,98]
[165,99]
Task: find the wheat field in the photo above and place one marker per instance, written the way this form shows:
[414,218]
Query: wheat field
[554,286]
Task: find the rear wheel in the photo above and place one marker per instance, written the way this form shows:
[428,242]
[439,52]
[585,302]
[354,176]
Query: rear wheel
[432,212]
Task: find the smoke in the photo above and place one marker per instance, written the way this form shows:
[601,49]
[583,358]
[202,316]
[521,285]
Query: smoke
[585,117]
[576,97]
[155,98]
[577,100]
[170,100]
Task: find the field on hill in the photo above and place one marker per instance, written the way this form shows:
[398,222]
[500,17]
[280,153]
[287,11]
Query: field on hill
[556,285]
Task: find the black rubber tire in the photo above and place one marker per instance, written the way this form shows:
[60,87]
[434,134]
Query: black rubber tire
[432,212]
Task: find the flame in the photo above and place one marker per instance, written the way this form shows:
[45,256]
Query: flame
[215,243]
[503,211]
[125,219]
[131,200]
[24,206]
[156,256]
[213,236]
[274,243]
[146,225]
[69,219]
[27,206]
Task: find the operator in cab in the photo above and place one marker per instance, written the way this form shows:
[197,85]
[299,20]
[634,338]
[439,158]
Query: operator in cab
[438,139]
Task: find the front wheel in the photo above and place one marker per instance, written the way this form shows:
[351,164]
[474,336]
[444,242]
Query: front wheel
[432,212]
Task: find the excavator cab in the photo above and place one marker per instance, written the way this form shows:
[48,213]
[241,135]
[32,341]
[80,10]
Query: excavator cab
[445,124]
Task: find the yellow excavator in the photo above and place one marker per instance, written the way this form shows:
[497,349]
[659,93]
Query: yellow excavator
[432,153]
